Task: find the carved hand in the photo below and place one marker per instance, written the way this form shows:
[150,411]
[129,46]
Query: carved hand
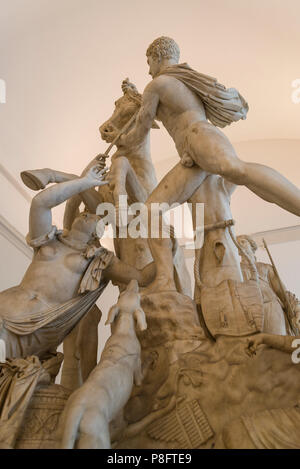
[96,174]
[102,160]
[253,343]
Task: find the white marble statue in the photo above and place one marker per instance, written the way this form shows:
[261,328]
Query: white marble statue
[191,107]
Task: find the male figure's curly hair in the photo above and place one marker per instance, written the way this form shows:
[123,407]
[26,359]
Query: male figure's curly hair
[164,48]
[250,241]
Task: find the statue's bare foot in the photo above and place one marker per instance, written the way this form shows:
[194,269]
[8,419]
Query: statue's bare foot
[160,284]
[34,179]
[37,179]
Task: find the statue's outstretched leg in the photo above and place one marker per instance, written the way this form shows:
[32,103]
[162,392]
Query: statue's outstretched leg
[272,187]
[177,186]
[161,250]
[212,151]
[37,179]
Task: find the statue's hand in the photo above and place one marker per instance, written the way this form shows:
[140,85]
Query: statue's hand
[253,343]
[101,158]
[96,174]
[187,161]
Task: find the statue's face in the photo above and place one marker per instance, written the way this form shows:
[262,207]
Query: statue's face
[86,223]
[154,65]
[248,248]
[124,110]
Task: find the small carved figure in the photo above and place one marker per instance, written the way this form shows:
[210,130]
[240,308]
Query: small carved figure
[91,408]
[275,321]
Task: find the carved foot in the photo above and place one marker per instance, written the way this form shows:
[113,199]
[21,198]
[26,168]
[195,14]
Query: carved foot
[35,179]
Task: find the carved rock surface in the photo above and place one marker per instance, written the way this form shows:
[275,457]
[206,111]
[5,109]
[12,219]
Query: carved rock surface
[193,387]
[39,430]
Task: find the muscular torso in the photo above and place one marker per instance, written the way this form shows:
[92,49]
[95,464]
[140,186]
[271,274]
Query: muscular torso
[178,106]
[52,278]
[56,271]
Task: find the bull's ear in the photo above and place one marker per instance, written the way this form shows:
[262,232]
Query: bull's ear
[112,314]
[141,319]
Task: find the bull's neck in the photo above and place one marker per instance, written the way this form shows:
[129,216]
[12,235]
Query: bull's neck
[141,151]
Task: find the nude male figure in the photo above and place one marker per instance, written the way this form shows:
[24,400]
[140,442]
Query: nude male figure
[202,147]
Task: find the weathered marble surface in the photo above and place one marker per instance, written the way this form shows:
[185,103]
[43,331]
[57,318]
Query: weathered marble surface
[212,382]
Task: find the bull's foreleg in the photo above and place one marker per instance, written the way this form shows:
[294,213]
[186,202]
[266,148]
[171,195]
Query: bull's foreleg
[124,181]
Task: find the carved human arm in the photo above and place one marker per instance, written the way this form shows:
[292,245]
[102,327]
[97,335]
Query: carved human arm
[145,117]
[40,217]
[91,198]
[119,272]
[279,342]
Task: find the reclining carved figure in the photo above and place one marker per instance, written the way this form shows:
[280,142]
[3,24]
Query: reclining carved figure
[66,276]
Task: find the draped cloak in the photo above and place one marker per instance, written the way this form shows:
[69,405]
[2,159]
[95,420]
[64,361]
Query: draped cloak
[18,380]
[222,105]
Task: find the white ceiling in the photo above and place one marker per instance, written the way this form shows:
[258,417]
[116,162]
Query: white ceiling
[64,60]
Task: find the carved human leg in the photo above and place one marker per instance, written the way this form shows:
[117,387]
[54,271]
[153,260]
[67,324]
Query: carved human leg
[177,186]
[95,432]
[38,179]
[212,151]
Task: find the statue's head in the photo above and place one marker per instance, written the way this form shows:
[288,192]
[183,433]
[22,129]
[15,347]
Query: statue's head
[125,108]
[161,50]
[86,223]
[249,245]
